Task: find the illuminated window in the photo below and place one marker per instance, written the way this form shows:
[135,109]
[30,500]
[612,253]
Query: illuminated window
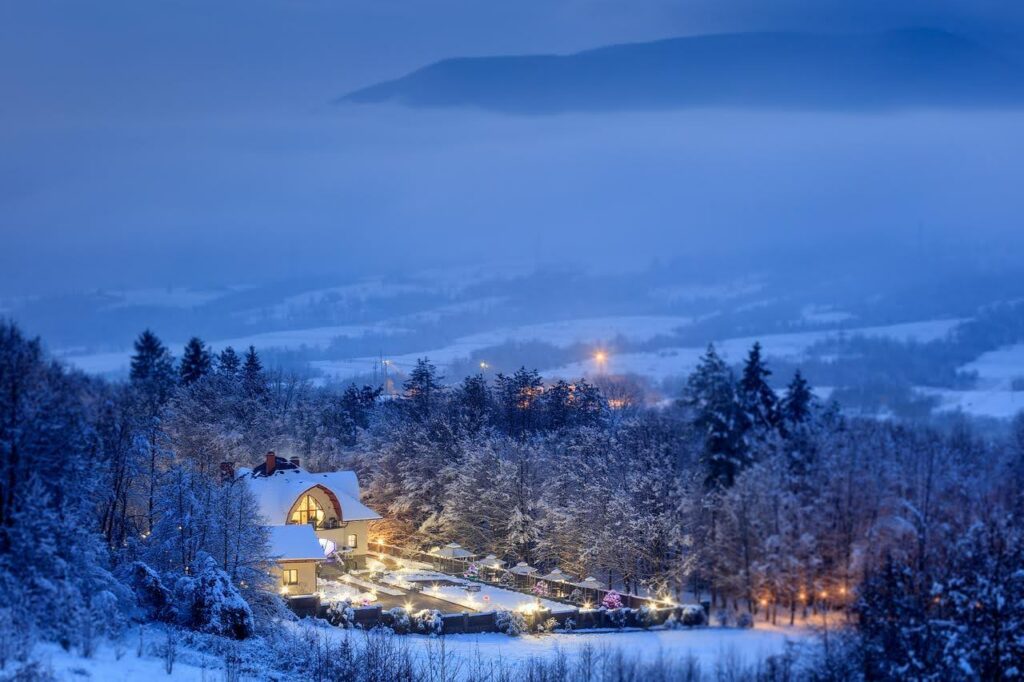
[308,510]
[352,540]
[290,576]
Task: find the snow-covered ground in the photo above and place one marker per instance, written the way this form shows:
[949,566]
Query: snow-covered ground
[165,298]
[105,666]
[998,368]
[707,645]
[293,339]
[1000,403]
[668,362]
[564,333]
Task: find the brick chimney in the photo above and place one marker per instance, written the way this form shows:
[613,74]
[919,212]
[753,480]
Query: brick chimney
[271,464]
[295,461]
[227,472]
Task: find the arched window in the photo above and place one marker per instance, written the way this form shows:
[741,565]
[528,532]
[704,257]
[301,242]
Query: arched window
[307,510]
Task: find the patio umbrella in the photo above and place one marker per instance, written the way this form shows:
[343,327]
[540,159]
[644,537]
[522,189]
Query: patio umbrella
[590,583]
[556,576]
[453,550]
[522,568]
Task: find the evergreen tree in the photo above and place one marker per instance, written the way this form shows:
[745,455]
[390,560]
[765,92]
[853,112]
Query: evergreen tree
[196,362]
[757,399]
[254,381]
[518,398]
[473,401]
[228,363]
[423,390]
[152,381]
[796,405]
[710,394]
[152,362]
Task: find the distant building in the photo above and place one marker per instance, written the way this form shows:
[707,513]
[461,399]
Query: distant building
[311,517]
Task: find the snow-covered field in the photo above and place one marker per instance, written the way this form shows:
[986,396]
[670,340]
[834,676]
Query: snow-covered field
[105,666]
[562,334]
[668,362]
[707,645]
[1000,403]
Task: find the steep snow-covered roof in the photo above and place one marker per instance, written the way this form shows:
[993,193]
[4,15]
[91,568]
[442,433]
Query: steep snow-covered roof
[294,543]
[277,493]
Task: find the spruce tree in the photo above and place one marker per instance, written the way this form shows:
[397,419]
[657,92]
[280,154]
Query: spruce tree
[423,389]
[152,363]
[254,382]
[757,399]
[228,363]
[519,401]
[711,395]
[474,402]
[796,405]
[195,363]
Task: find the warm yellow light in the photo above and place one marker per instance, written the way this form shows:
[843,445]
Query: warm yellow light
[824,594]
[587,605]
[803,596]
[483,365]
[408,607]
[600,357]
[764,602]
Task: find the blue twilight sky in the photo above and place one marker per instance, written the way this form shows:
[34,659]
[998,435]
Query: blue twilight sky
[196,143]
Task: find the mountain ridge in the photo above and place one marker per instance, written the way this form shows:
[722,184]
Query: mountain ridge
[914,67]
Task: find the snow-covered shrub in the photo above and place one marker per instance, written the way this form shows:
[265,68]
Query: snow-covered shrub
[612,600]
[672,622]
[569,625]
[547,625]
[428,622]
[472,571]
[692,615]
[723,618]
[151,595]
[210,603]
[512,623]
[397,619]
[646,617]
[95,619]
[745,620]
[576,596]
[540,589]
[341,614]
[507,580]
[617,617]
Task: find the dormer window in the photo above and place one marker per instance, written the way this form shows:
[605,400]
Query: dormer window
[308,510]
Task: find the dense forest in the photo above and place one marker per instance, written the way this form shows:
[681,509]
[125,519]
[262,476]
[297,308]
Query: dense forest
[113,510]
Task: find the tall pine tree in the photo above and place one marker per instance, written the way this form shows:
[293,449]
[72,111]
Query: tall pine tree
[757,399]
[196,362]
[796,405]
[228,363]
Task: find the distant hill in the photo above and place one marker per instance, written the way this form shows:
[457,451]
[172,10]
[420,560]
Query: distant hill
[894,69]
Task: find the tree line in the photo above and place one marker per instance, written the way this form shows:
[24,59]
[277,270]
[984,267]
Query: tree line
[780,506]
